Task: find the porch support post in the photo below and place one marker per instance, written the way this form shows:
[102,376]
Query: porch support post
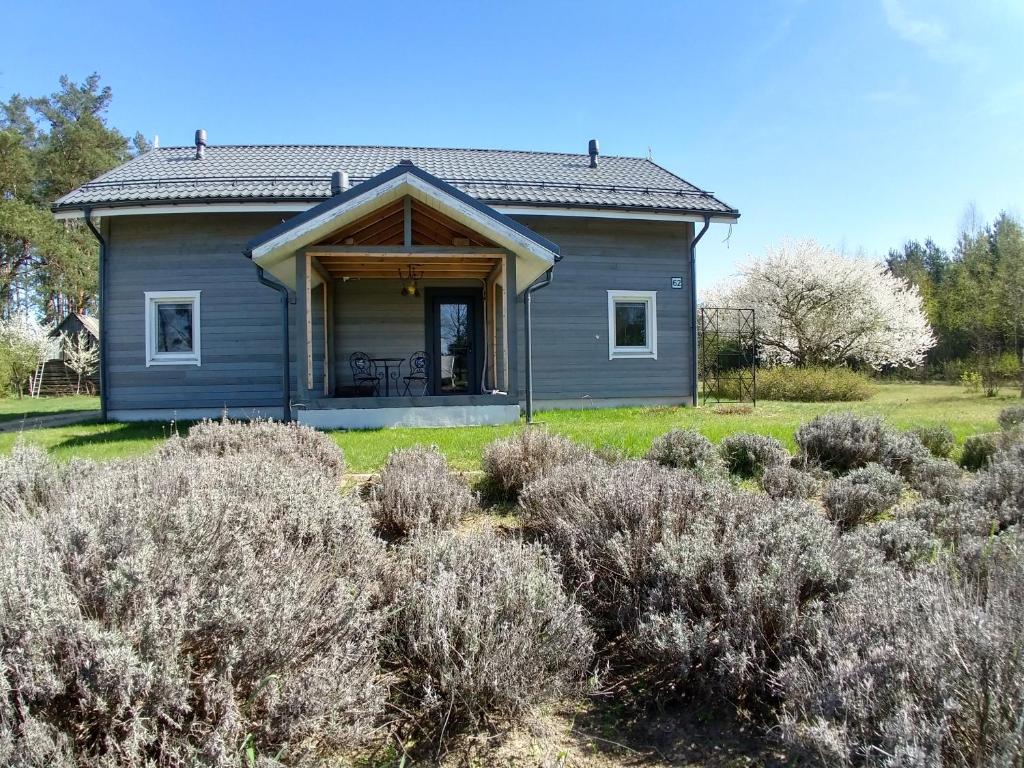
[303,328]
[491,325]
[326,385]
[329,338]
[511,326]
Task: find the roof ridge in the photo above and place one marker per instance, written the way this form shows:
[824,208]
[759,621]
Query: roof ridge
[393,146]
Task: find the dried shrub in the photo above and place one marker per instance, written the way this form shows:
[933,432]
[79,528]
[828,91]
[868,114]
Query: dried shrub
[684,449]
[861,495]
[288,444]
[417,491]
[978,451]
[697,585]
[903,453]
[734,594]
[168,610]
[938,479]
[925,669]
[785,482]
[747,455]
[903,541]
[939,440]
[997,490]
[482,629]
[952,523]
[1011,417]
[604,522]
[511,463]
[840,442]
[813,385]
[28,479]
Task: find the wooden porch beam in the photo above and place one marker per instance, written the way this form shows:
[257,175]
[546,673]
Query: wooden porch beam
[407,217]
[382,261]
[401,251]
[393,274]
[319,268]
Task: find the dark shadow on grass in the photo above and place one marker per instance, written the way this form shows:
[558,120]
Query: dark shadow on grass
[6,418]
[125,432]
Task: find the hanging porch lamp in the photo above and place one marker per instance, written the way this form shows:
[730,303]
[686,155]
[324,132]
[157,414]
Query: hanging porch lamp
[409,278]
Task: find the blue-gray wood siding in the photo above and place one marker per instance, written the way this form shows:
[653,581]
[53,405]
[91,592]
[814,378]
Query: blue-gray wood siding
[241,318]
[570,317]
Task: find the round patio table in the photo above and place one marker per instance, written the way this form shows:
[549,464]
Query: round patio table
[386,363]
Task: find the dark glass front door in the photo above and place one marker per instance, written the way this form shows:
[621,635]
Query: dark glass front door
[454,343]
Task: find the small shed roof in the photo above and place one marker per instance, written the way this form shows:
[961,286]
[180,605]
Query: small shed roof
[76,322]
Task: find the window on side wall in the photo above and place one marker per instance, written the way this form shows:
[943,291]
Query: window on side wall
[632,324]
[172,328]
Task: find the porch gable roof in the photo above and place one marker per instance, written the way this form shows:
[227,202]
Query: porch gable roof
[535,253]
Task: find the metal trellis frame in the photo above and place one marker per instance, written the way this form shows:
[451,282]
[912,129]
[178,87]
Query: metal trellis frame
[728,355]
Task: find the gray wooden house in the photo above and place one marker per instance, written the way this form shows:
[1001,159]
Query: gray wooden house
[360,286]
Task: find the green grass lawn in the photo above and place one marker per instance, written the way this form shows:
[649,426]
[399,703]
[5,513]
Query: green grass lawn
[13,408]
[629,430]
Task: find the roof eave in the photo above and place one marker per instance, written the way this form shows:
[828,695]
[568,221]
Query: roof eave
[731,213]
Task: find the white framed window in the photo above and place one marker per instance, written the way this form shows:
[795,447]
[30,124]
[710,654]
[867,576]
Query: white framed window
[172,328]
[632,324]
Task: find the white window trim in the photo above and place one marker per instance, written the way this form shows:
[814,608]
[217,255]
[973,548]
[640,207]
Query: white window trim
[154,298]
[651,350]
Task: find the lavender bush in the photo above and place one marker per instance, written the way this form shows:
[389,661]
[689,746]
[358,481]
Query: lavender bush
[748,455]
[786,482]
[605,522]
[926,669]
[481,628]
[685,449]
[417,491]
[903,540]
[978,451]
[840,442]
[862,495]
[289,444]
[1011,417]
[938,479]
[939,440]
[697,584]
[734,593]
[511,463]
[168,611]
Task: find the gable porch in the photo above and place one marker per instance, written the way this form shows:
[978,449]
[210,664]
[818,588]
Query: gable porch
[405,308]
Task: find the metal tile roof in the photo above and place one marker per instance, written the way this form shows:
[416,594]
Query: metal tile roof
[302,173]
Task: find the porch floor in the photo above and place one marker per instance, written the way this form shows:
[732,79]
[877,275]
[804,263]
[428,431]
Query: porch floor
[428,411]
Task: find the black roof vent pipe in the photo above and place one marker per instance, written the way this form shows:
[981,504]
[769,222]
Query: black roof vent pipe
[594,152]
[200,144]
[339,182]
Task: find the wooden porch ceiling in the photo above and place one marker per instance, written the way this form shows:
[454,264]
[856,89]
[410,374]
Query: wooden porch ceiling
[402,235]
[388,261]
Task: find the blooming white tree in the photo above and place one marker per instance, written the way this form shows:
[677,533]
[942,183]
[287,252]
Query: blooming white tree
[80,355]
[814,306]
[25,342]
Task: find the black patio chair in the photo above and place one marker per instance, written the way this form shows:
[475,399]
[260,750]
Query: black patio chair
[419,374]
[364,374]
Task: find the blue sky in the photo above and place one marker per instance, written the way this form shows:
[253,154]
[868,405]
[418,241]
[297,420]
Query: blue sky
[860,123]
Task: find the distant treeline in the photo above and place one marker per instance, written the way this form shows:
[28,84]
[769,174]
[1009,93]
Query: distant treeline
[974,299]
